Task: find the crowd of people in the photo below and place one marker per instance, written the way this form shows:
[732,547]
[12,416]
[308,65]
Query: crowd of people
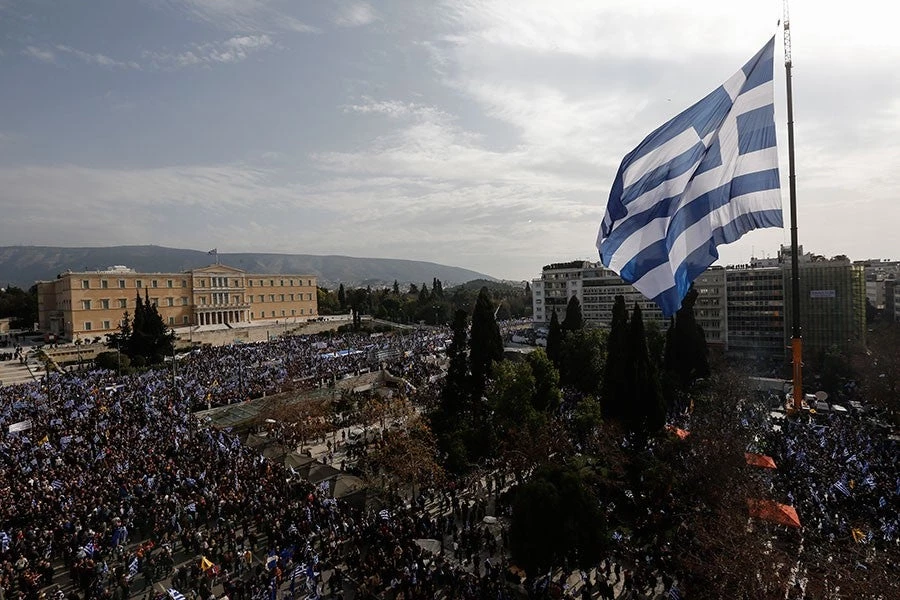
[114,482]
[221,375]
[841,473]
[111,485]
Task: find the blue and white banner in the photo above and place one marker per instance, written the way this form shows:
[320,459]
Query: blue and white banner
[701,180]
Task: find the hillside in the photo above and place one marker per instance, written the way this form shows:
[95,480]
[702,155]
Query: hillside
[23,265]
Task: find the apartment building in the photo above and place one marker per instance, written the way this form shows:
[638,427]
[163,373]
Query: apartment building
[78,305]
[755,311]
[711,308]
[596,288]
[744,309]
[551,292]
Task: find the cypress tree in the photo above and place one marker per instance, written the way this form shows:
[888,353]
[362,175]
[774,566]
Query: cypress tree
[135,344]
[455,393]
[554,340]
[158,339]
[615,383]
[452,421]
[342,297]
[396,287]
[686,357]
[645,413]
[486,343]
[573,321]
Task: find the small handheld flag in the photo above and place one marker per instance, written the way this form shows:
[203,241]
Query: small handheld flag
[175,594]
[701,180]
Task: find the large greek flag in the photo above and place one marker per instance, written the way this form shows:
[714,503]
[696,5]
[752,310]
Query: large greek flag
[703,179]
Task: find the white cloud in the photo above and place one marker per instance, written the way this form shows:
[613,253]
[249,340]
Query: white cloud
[355,14]
[41,54]
[575,86]
[232,50]
[394,109]
[503,158]
[97,59]
[258,16]
[296,25]
[599,29]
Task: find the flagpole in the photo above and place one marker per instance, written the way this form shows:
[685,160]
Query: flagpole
[796,339]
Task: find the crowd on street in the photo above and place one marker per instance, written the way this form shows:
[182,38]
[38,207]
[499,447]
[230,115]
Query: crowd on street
[109,486]
[841,473]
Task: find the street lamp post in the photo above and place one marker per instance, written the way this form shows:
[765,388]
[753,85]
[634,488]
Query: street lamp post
[241,371]
[174,373]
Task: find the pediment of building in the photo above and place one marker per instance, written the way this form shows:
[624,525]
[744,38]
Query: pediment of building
[215,269]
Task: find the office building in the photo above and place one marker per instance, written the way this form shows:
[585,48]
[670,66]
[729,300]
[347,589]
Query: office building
[82,305]
[832,305]
[892,300]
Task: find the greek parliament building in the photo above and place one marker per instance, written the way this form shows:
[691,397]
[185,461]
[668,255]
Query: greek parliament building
[92,303]
[743,309]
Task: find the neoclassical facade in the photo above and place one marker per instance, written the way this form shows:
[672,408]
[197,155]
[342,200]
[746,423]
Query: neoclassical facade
[93,303]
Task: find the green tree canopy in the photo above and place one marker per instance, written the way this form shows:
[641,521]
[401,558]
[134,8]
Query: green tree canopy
[145,339]
[511,396]
[547,395]
[20,306]
[588,416]
[583,359]
[328,303]
[556,517]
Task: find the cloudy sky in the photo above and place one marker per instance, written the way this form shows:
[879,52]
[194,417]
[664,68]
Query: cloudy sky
[477,133]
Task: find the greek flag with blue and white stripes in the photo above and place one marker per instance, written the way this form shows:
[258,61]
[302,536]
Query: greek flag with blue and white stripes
[175,594]
[701,180]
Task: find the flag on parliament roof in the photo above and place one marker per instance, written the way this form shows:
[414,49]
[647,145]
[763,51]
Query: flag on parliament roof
[701,180]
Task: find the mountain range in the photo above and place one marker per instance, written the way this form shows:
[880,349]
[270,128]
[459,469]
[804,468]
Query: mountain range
[23,265]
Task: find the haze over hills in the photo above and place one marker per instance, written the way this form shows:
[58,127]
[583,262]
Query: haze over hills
[23,265]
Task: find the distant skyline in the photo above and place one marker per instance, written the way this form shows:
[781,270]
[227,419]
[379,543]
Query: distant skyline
[474,133]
